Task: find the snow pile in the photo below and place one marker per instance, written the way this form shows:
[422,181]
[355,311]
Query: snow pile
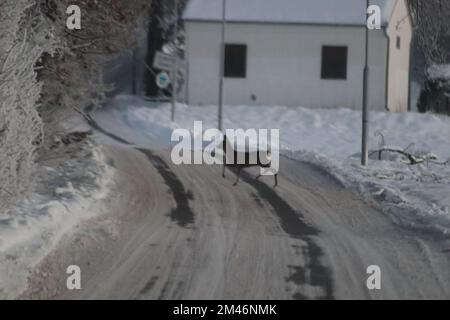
[64,196]
[415,196]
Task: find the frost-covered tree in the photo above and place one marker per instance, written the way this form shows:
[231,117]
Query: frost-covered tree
[74,77]
[431,19]
[24,37]
[47,70]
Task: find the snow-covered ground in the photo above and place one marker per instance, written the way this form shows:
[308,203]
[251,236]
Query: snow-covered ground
[67,190]
[413,196]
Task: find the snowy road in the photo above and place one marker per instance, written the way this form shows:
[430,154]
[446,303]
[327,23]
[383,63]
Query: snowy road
[183,232]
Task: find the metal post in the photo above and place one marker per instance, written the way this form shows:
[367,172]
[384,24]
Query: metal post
[175,66]
[222,65]
[134,73]
[365,112]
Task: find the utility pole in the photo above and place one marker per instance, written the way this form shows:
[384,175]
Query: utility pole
[365,112]
[175,65]
[222,65]
[134,73]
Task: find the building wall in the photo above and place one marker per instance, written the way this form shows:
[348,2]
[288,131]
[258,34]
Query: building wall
[284,65]
[399,59]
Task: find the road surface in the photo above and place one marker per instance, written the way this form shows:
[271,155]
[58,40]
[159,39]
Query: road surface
[183,232]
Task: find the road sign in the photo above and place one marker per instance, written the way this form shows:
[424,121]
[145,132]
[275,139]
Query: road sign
[162,80]
[163,61]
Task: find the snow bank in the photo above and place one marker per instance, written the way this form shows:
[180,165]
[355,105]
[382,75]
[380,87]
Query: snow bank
[32,229]
[414,196]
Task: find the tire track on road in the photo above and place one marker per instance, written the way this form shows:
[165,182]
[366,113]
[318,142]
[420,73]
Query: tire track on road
[314,273]
[182,214]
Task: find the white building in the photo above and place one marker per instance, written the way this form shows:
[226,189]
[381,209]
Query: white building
[298,53]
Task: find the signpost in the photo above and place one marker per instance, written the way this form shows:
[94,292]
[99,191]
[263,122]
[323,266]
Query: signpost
[163,80]
[169,64]
[175,64]
[163,61]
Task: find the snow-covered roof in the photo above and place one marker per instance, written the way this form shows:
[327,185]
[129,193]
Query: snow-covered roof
[339,12]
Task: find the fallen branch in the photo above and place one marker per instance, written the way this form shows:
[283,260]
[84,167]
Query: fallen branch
[413,159]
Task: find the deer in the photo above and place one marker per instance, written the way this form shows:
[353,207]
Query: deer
[263,160]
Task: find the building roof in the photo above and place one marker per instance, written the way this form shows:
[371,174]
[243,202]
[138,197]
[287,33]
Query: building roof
[326,12]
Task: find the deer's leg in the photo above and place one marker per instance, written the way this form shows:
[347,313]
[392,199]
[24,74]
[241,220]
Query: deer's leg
[237,176]
[276,180]
[223,171]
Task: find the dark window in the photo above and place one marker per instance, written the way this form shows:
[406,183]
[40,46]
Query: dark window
[398,42]
[235,61]
[334,62]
